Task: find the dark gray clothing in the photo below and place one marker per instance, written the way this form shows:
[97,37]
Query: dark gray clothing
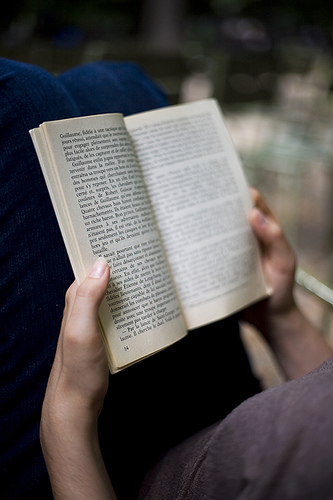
[277,445]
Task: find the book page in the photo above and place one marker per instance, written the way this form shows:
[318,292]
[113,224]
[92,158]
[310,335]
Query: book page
[201,201]
[103,210]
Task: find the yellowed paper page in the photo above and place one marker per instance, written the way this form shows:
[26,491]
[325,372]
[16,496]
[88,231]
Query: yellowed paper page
[201,202]
[103,210]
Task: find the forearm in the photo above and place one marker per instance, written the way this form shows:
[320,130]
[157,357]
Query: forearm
[75,394]
[73,459]
[298,346]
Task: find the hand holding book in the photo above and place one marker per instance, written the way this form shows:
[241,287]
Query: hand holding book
[79,377]
[74,396]
[161,195]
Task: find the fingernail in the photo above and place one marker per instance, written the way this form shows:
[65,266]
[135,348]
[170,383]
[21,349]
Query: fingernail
[98,268]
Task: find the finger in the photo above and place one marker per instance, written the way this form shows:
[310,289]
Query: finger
[98,269]
[58,359]
[81,324]
[80,346]
[274,245]
[260,203]
[69,301]
[265,226]
[92,290]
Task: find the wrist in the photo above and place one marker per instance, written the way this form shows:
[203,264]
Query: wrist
[298,346]
[67,436]
[72,454]
[64,421]
[283,322]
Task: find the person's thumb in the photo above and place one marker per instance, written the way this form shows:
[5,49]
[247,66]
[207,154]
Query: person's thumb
[89,294]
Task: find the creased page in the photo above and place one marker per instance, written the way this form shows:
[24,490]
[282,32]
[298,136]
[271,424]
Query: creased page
[201,202]
[105,211]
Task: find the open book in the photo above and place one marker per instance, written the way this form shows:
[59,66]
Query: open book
[162,197]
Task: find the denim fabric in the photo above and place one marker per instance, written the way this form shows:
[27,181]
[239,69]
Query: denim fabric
[149,406]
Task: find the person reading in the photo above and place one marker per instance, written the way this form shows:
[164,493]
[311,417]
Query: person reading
[143,415]
[212,463]
[36,273]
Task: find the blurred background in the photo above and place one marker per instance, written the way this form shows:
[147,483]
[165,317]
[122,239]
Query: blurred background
[269,64]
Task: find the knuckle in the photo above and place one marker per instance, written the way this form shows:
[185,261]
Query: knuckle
[69,296]
[86,291]
[255,195]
